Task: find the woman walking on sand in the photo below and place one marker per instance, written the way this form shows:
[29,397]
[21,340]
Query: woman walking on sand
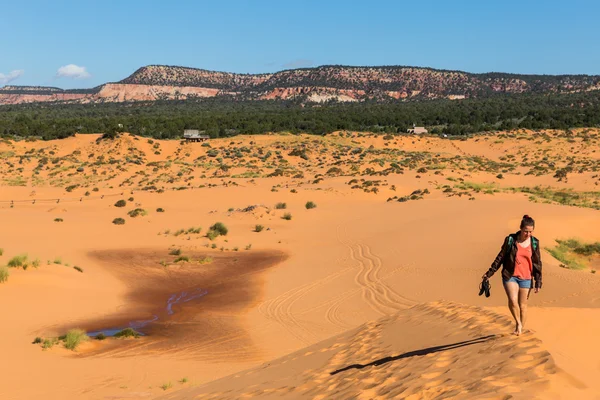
[521,266]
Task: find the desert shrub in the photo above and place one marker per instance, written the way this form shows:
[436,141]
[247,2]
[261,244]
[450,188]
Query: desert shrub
[182,259]
[281,206]
[4,274]
[220,228]
[249,246]
[118,221]
[20,261]
[130,199]
[35,263]
[137,212]
[166,386]
[194,230]
[258,228]
[1,251]
[121,203]
[78,268]
[309,205]
[127,332]
[37,340]
[500,176]
[159,209]
[47,344]
[175,252]
[212,235]
[205,260]
[58,220]
[74,338]
[287,216]
[100,336]
[57,260]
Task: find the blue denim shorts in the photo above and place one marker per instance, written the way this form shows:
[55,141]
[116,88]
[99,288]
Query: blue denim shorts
[523,283]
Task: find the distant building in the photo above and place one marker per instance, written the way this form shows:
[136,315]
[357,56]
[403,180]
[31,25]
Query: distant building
[194,135]
[417,130]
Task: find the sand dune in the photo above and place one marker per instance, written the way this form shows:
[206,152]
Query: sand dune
[434,350]
[382,271]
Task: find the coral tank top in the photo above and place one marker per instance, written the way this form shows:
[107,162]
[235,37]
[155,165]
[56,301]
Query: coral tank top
[523,264]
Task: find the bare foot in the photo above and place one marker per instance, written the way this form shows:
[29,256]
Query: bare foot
[518,329]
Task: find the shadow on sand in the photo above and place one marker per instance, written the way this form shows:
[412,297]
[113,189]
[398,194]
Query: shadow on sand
[421,352]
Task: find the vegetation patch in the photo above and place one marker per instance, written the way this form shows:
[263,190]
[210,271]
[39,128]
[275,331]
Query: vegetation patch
[4,274]
[118,221]
[20,261]
[74,338]
[127,333]
[574,254]
[309,205]
[137,212]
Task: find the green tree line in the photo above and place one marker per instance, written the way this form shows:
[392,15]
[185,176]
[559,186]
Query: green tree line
[226,117]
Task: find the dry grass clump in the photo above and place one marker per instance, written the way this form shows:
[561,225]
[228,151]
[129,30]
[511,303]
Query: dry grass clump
[4,274]
[20,261]
[74,338]
[309,205]
[258,228]
[287,216]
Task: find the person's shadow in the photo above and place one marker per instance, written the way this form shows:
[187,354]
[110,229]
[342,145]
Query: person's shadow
[421,352]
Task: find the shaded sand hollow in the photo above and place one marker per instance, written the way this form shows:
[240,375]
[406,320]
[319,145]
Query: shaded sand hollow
[383,293]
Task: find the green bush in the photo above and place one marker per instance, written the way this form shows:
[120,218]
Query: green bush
[74,338]
[118,221]
[160,209]
[182,259]
[220,228]
[20,261]
[212,235]
[287,216]
[4,274]
[137,212]
[309,205]
[258,228]
[121,203]
[47,344]
[127,332]
[281,206]
[37,340]
[100,336]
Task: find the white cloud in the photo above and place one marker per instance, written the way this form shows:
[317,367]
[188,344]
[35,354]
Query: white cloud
[12,75]
[72,71]
[299,63]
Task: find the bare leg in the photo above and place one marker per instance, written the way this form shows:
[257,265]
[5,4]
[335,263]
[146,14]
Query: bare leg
[523,295]
[512,292]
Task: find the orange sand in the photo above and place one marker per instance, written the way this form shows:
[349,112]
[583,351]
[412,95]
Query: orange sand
[353,281]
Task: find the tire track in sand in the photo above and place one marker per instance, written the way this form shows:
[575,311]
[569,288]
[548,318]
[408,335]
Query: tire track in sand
[279,309]
[378,295]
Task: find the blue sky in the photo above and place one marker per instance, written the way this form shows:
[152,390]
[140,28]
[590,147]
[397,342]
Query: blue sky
[105,41]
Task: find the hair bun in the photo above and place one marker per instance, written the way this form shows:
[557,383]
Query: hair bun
[526,216]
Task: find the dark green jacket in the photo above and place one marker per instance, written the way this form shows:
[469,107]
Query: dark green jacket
[506,257]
